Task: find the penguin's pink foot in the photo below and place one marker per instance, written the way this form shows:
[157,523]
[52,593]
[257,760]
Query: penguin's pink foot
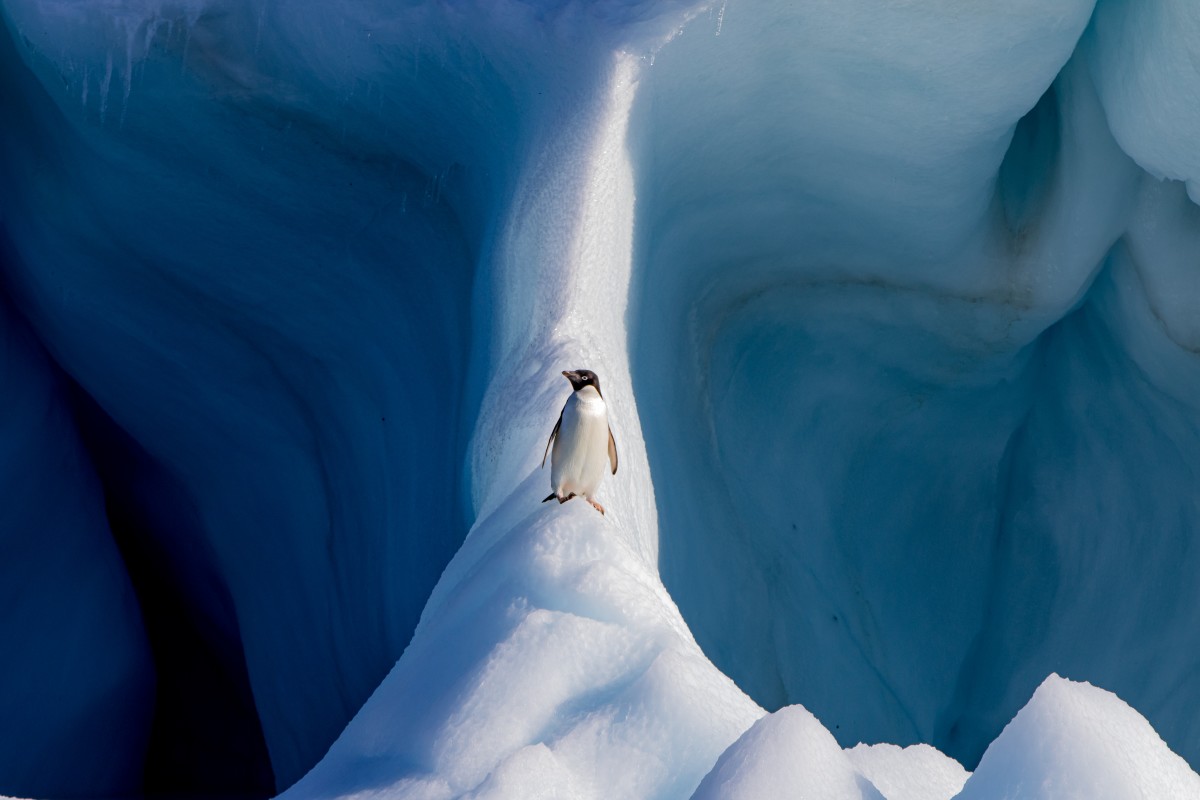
[596,505]
[562,500]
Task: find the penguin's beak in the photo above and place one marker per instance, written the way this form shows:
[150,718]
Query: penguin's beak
[571,376]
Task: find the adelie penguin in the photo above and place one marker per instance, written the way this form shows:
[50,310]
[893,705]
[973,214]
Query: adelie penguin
[583,442]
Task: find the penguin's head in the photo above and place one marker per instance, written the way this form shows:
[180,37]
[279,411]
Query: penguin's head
[581,378]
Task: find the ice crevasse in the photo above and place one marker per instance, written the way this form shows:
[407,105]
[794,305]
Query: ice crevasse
[896,307]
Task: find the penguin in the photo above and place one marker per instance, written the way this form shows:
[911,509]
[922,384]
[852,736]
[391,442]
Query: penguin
[582,442]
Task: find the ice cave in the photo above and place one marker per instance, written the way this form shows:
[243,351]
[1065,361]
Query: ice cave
[897,308]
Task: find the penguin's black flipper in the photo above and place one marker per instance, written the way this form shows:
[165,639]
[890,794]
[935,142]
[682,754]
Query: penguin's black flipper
[548,499]
[553,433]
[612,453]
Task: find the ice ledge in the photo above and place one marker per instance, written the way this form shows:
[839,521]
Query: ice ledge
[556,660]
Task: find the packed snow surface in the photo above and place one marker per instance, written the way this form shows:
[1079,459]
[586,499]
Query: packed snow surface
[788,754]
[1075,741]
[895,307]
[916,772]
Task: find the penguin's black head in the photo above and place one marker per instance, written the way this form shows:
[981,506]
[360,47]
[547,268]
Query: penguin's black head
[582,377]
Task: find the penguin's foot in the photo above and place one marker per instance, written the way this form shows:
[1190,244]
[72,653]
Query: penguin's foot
[596,505]
[562,500]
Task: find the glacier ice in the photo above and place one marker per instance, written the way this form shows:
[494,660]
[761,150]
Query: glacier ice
[904,345]
[895,305]
[76,666]
[246,384]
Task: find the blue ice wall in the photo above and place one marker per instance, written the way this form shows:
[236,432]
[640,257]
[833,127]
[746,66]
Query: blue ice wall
[916,395]
[245,261]
[251,235]
[76,668]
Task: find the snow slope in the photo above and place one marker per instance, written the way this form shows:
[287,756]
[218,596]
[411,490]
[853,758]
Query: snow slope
[894,304]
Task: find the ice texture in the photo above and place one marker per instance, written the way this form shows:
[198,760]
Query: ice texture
[290,359]
[1146,59]
[915,387]
[75,665]
[894,305]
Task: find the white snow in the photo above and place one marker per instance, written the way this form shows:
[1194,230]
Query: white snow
[786,755]
[1074,740]
[551,648]
[916,772]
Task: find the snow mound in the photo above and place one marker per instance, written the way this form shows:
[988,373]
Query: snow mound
[916,772]
[1073,741]
[550,663]
[787,755]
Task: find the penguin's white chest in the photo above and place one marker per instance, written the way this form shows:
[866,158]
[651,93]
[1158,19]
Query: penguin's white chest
[580,453]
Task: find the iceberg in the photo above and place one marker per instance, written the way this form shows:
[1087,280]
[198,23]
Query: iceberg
[895,308]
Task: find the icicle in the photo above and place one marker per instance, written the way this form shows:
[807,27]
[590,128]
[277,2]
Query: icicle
[104,84]
[131,32]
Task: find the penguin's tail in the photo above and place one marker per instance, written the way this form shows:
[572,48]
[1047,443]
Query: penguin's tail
[549,498]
